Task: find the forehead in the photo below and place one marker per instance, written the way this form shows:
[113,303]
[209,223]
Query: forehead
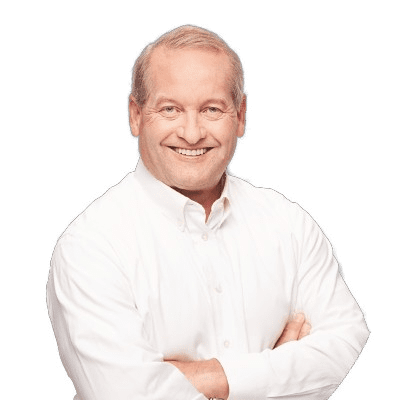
[189,60]
[195,70]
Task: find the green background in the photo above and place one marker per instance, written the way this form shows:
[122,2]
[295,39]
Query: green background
[323,87]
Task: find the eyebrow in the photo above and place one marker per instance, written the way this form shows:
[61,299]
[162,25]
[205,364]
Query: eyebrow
[163,99]
[220,101]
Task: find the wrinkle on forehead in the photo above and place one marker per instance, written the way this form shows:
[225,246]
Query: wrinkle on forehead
[199,71]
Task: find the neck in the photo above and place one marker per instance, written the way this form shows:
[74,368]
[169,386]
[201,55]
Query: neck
[207,197]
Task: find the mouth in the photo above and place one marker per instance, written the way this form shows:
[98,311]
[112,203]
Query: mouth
[191,153]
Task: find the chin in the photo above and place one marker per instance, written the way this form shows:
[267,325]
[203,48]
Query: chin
[194,179]
[194,185]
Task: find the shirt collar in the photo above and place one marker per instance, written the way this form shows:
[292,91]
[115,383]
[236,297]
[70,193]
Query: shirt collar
[175,205]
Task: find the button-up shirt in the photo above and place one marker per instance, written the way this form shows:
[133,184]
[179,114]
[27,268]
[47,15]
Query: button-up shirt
[141,276]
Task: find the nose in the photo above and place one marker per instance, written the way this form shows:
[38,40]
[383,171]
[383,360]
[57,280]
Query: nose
[191,130]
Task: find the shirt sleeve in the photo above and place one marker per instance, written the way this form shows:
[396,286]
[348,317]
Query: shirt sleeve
[99,331]
[313,367]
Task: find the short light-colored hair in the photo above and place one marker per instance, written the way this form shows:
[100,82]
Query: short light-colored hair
[186,37]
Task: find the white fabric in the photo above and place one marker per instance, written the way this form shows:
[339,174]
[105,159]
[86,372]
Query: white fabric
[140,277]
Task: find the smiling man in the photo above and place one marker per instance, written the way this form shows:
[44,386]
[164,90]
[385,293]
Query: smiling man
[182,282]
[189,124]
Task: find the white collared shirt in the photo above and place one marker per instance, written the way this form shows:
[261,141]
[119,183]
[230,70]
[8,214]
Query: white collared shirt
[140,277]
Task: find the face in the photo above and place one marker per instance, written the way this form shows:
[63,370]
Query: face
[189,126]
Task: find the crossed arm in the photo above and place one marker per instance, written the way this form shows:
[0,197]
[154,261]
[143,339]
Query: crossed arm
[106,352]
[208,376]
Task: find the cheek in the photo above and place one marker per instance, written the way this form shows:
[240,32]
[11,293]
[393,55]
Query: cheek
[153,134]
[150,119]
[158,128]
[228,135]
[225,128]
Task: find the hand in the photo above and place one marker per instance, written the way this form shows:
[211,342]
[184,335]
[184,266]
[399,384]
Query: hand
[207,376]
[295,329]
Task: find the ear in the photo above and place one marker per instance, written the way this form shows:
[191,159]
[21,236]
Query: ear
[135,116]
[242,117]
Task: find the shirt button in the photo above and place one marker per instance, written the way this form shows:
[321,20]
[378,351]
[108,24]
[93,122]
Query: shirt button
[218,289]
[227,343]
[204,236]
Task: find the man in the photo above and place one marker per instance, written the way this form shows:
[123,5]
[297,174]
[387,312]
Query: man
[182,282]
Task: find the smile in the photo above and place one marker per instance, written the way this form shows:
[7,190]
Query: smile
[187,152]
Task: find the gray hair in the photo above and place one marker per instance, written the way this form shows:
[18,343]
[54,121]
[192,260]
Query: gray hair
[186,37]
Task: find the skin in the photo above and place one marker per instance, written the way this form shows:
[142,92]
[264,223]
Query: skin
[295,329]
[208,376]
[190,107]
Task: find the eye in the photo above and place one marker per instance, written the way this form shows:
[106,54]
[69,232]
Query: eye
[169,111]
[212,112]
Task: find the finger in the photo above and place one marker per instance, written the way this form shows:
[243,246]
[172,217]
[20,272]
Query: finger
[292,330]
[295,326]
[305,330]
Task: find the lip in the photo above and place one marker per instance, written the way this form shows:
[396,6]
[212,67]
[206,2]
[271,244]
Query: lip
[191,158]
[173,148]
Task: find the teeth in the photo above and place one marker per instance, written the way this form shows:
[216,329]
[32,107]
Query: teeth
[187,152]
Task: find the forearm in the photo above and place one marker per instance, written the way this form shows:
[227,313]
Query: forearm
[207,376]
[100,334]
[308,369]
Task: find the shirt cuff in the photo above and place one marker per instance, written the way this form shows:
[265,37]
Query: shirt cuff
[246,375]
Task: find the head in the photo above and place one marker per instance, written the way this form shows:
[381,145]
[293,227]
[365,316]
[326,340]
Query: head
[187,97]
[186,37]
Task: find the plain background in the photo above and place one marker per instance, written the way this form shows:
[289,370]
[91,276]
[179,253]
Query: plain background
[323,88]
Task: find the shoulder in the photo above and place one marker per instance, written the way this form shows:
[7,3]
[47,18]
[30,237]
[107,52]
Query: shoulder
[245,194]
[266,204]
[108,214]
[266,210]
[103,236]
